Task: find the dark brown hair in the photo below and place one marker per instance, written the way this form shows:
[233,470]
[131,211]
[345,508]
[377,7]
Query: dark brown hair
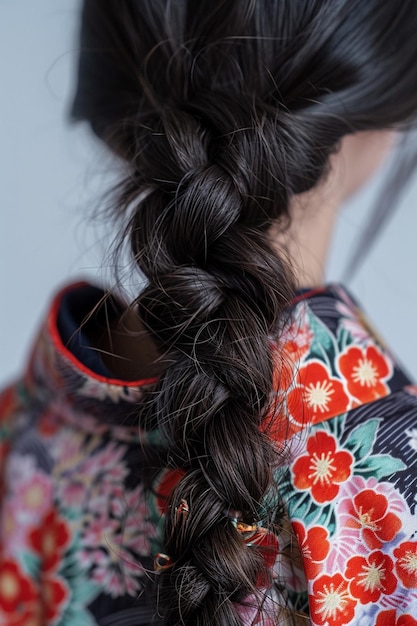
[223,110]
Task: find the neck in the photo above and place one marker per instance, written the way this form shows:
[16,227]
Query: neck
[128,350]
[306,242]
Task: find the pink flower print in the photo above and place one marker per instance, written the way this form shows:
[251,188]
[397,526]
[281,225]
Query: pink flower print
[116,529]
[117,571]
[261,610]
[86,476]
[354,322]
[99,532]
[34,497]
[113,541]
[69,450]
[73,494]
[28,500]
[370,514]
[108,461]
[14,528]
[137,529]
[20,469]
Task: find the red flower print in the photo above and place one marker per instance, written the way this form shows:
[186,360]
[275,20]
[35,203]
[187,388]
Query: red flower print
[54,595]
[317,396]
[167,482]
[331,603]
[276,423]
[314,546]
[368,512]
[406,564]
[364,370]
[388,618]
[15,587]
[50,539]
[48,423]
[8,402]
[34,496]
[371,577]
[323,468]
[19,598]
[406,620]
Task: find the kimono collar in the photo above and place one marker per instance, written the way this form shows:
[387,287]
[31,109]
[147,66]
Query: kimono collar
[328,360]
[56,375]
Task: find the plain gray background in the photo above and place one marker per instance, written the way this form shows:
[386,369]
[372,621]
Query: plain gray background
[52,174]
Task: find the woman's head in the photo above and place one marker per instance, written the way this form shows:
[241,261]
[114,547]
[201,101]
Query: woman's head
[223,112]
[341,66]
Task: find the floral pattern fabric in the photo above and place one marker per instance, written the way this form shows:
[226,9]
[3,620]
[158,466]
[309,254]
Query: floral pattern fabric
[79,527]
[350,480]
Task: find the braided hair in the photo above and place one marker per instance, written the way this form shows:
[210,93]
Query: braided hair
[223,111]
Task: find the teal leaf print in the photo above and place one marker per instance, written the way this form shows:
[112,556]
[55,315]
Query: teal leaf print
[75,615]
[344,339]
[379,466]
[322,347]
[31,563]
[361,440]
[82,590]
[334,426]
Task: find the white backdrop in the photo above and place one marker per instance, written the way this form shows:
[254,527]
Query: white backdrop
[51,174]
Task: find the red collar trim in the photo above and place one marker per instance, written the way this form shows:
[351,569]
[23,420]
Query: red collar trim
[52,327]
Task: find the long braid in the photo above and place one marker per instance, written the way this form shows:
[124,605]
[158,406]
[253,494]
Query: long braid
[204,190]
[209,190]
[215,296]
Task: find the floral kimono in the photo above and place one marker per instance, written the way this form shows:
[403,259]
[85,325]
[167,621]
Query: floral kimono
[80,521]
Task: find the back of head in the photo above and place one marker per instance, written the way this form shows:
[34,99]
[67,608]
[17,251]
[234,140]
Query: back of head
[223,111]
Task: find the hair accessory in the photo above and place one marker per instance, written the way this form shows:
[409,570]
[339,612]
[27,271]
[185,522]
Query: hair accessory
[162,562]
[182,510]
[257,536]
[253,534]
